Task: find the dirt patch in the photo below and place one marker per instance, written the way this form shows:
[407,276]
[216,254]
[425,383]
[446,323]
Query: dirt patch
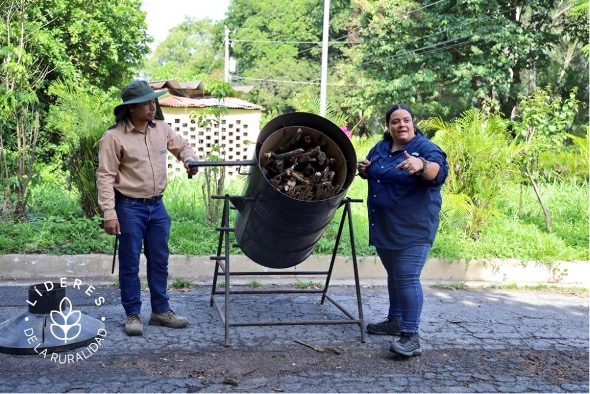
[234,367]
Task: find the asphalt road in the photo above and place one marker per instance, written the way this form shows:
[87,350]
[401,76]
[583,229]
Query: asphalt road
[477,340]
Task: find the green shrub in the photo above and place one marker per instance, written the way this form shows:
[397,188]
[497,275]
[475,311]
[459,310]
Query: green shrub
[180,283]
[308,285]
[255,284]
[56,224]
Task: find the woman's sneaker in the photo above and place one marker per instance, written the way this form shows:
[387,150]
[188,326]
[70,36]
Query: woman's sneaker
[408,344]
[386,327]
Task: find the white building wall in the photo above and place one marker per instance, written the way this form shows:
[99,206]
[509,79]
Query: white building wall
[236,134]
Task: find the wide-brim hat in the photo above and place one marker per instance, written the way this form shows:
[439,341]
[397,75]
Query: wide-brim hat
[138,92]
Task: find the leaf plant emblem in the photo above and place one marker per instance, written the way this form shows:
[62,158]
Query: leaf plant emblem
[65,324]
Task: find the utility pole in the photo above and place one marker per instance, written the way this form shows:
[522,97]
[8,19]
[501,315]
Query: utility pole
[226,62]
[324,77]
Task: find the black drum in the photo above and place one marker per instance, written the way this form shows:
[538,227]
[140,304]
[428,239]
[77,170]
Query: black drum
[278,230]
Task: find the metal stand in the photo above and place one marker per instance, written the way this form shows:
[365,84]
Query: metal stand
[222,266]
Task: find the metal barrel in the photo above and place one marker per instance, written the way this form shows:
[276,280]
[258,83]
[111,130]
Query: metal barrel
[278,231]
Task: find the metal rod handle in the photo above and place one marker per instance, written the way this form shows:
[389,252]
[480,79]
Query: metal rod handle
[220,163]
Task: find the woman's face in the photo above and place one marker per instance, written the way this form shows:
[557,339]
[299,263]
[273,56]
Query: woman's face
[401,127]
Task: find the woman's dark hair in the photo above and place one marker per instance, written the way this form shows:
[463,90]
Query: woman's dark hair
[392,109]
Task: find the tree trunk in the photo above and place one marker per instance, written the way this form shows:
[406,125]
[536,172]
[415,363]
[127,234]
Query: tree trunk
[540,199]
[569,55]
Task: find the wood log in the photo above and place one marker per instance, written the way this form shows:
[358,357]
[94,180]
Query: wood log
[322,158]
[278,166]
[316,178]
[308,155]
[285,174]
[299,178]
[301,169]
[286,155]
[308,170]
[296,137]
[331,175]
[325,173]
[265,159]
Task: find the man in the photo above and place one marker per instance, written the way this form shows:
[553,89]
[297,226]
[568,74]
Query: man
[131,178]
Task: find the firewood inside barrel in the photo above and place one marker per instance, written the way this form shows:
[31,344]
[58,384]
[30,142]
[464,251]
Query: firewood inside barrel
[303,164]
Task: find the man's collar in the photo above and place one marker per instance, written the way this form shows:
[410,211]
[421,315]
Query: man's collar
[129,127]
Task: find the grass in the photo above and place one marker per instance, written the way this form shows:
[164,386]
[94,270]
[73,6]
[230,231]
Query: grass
[255,284]
[451,286]
[308,285]
[180,283]
[577,291]
[57,226]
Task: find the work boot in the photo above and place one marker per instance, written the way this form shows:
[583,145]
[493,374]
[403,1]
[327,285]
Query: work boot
[133,325]
[408,344]
[386,327]
[168,319]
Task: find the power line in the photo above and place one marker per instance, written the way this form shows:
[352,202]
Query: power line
[464,24]
[446,30]
[423,7]
[290,42]
[215,58]
[434,49]
[431,48]
[275,80]
[398,55]
[340,84]
[337,41]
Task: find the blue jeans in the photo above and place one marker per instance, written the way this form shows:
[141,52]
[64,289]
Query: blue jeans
[404,267]
[147,225]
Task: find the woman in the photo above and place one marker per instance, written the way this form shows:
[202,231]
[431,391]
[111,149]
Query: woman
[405,172]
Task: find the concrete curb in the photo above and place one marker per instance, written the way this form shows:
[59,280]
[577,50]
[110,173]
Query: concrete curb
[199,269]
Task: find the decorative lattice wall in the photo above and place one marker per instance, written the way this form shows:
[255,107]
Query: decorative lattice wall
[235,135]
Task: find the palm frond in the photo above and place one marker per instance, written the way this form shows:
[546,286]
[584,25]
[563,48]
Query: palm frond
[457,210]
[332,114]
[582,145]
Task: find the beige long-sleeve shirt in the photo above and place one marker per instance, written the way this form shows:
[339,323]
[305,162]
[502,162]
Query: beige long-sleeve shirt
[133,162]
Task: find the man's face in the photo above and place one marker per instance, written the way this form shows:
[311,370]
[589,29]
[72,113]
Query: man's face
[143,112]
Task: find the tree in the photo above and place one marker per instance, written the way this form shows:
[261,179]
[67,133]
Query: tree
[277,46]
[273,43]
[20,75]
[102,42]
[99,44]
[440,57]
[445,57]
[214,176]
[82,116]
[568,66]
[541,124]
[192,51]
[479,153]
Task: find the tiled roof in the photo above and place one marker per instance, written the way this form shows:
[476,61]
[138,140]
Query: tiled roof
[168,83]
[205,102]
